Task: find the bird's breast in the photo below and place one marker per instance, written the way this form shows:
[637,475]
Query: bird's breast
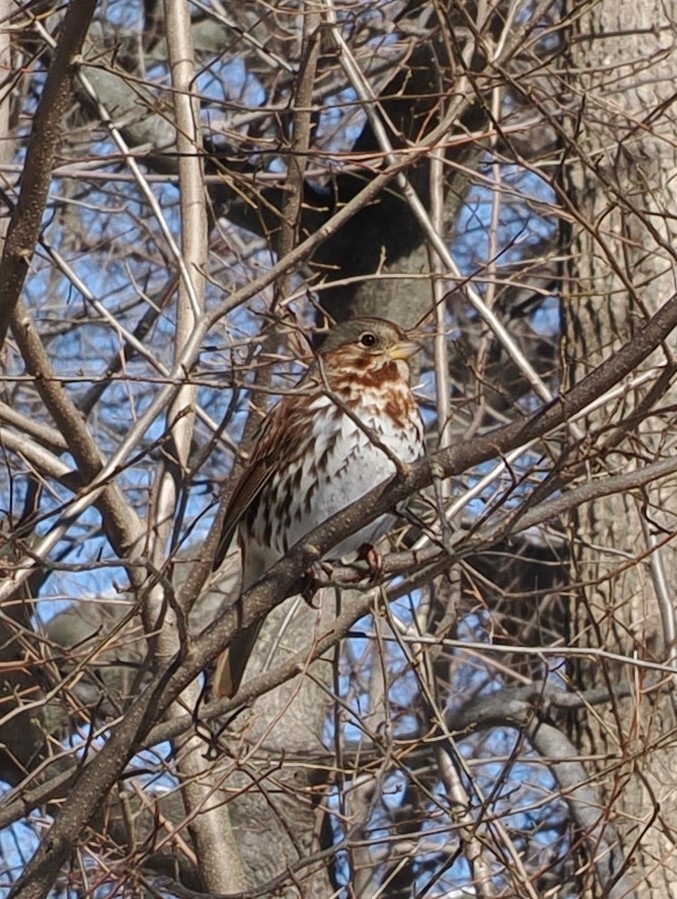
[347,448]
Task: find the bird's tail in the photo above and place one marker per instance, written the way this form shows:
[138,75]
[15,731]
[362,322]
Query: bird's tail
[232,662]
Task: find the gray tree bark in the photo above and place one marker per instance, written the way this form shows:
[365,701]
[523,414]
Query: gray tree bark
[622,189]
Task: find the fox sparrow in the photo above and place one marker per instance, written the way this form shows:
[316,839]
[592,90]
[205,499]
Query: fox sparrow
[321,448]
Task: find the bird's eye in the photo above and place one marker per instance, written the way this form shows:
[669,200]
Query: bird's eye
[367,339]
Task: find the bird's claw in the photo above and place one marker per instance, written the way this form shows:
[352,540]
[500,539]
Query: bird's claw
[374,559]
[316,576]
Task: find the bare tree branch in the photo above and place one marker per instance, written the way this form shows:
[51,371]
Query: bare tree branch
[46,133]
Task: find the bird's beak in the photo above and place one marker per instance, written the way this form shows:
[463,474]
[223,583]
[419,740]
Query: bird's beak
[404,350]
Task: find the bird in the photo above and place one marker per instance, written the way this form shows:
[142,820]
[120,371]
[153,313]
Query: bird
[343,430]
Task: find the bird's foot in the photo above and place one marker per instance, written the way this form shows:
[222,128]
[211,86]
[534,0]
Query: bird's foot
[316,576]
[374,559]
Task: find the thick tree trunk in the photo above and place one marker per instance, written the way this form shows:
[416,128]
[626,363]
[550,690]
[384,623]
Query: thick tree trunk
[623,190]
